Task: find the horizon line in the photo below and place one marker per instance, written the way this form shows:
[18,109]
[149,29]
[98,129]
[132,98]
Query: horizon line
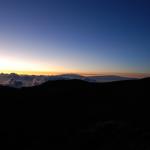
[42,73]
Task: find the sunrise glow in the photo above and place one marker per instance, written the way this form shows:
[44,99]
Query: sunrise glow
[44,40]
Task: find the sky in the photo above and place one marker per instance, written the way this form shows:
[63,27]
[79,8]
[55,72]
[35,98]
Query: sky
[75,36]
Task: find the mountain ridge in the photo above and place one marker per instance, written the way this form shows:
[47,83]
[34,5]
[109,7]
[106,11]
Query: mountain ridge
[75,114]
[18,81]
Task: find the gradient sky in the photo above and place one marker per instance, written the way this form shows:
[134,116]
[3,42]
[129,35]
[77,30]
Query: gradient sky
[77,36]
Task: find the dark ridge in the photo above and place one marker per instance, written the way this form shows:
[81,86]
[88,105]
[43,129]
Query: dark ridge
[65,82]
[75,114]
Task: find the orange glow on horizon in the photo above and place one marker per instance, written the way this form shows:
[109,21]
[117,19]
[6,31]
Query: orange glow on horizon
[31,67]
[13,65]
[137,75]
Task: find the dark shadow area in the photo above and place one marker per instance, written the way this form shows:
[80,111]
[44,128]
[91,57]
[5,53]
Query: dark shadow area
[75,114]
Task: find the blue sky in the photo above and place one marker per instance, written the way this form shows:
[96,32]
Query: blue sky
[90,36]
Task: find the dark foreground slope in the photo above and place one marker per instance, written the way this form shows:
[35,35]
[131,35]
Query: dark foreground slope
[76,115]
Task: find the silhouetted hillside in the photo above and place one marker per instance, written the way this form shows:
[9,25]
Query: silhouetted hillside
[19,81]
[75,114]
